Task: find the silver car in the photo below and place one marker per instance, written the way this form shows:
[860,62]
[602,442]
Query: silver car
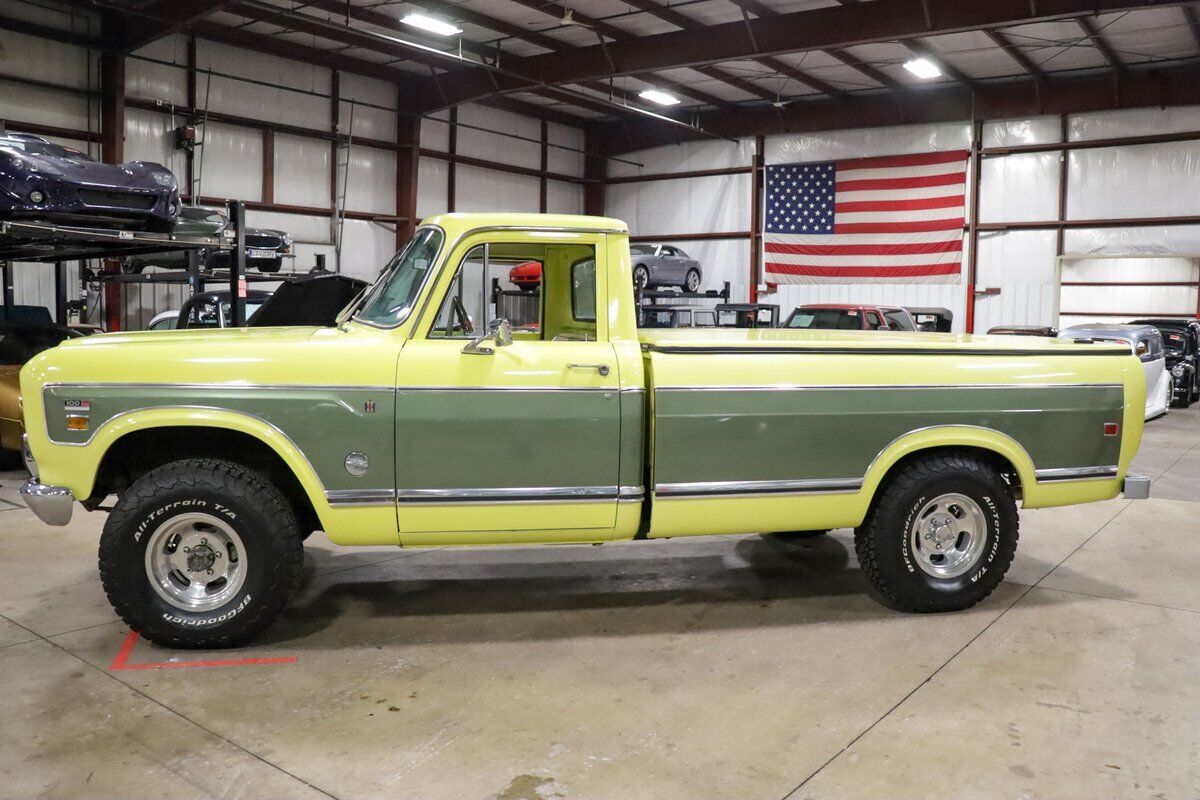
[664,265]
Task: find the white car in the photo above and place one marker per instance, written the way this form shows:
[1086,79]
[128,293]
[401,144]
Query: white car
[164,321]
[1146,343]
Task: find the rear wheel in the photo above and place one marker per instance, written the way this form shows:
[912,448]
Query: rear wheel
[200,553]
[941,534]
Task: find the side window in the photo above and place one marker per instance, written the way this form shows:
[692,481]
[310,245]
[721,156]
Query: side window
[203,315]
[546,291]
[873,321]
[898,321]
[583,290]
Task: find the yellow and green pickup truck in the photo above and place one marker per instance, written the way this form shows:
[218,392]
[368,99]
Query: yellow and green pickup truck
[424,419]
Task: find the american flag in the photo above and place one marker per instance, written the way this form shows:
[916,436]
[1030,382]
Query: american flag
[893,219]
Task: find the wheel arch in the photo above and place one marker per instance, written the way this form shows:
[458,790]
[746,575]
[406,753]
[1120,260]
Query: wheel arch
[1009,456]
[166,433]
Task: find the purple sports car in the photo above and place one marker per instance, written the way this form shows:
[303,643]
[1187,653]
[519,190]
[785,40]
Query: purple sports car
[43,180]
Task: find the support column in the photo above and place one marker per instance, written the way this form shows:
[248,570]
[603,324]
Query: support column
[237,265]
[190,153]
[268,166]
[112,151]
[595,170]
[973,229]
[543,181]
[6,287]
[408,160]
[60,293]
[452,164]
[756,201]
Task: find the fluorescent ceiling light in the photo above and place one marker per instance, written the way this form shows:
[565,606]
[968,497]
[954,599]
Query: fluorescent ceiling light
[923,68]
[431,24]
[662,98]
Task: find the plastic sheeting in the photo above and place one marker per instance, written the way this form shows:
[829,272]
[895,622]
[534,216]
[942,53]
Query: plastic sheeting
[1157,239]
[48,60]
[433,177]
[861,143]
[488,190]
[566,162]
[372,184]
[267,103]
[1133,122]
[1138,181]
[435,131]
[1019,188]
[1016,132]
[1125,302]
[154,81]
[564,198]
[718,203]
[366,248]
[302,166]
[148,138]
[477,143]
[232,161]
[1022,264]
[369,121]
[42,106]
[684,157]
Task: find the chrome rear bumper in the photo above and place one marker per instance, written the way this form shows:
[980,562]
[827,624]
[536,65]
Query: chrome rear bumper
[1135,487]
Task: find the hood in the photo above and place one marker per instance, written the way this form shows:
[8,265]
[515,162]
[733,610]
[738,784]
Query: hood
[308,301]
[132,174]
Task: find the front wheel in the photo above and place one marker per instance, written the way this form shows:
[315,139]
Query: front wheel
[691,283]
[940,536]
[200,553]
[641,276]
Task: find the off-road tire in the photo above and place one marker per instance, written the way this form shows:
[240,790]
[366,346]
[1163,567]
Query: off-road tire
[883,541]
[251,506]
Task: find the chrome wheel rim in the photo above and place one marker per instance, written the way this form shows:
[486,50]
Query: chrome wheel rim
[641,277]
[693,282]
[196,562]
[947,535]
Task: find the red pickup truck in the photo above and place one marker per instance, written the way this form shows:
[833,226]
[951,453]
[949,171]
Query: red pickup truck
[847,317]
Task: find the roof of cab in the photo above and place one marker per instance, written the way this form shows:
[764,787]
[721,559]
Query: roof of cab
[459,223]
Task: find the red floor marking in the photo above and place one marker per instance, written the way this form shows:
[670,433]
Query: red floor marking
[121,661]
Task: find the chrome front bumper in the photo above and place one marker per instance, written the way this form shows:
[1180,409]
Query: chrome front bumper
[52,504]
[1135,487]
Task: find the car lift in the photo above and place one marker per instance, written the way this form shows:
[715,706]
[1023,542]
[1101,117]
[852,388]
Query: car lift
[44,242]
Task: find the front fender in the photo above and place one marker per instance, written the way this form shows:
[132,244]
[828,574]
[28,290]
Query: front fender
[76,466]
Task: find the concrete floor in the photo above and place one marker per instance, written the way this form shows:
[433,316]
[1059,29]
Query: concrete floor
[729,667]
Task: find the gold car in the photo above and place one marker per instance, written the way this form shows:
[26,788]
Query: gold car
[18,344]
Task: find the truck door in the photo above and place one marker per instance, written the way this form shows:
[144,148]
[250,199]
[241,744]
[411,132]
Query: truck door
[508,406]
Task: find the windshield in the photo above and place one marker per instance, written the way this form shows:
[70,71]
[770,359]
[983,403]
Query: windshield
[1174,342]
[828,319]
[389,301]
[36,148]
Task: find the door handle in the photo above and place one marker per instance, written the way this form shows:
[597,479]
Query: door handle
[601,368]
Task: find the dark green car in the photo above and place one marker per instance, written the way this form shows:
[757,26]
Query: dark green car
[265,249]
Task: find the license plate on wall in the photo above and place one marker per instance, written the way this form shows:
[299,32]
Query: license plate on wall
[260,252]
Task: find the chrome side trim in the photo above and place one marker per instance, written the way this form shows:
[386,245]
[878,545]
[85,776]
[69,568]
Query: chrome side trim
[524,494]
[734,350]
[1075,474]
[522,389]
[886,387]
[286,387]
[719,488]
[360,497]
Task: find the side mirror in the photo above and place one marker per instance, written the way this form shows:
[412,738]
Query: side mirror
[499,332]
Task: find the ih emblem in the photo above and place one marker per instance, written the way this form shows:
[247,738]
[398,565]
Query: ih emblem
[369,406]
